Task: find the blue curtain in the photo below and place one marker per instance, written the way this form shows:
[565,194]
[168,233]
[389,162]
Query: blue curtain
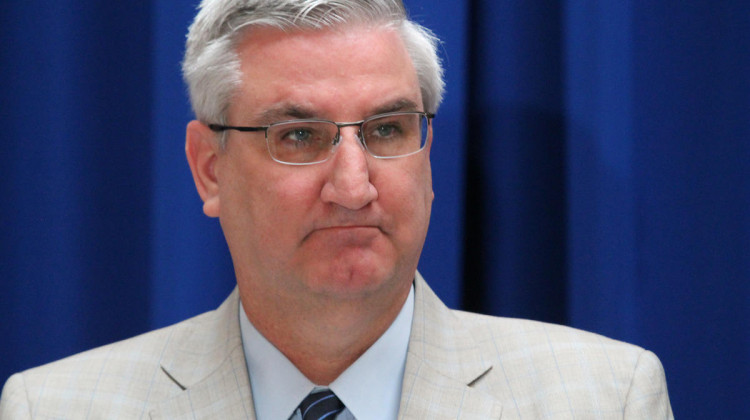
[590,168]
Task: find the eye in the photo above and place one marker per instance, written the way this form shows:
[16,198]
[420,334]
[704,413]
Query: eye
[298,135]
[386,130]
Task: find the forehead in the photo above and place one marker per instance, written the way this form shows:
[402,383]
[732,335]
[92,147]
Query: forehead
[347,66]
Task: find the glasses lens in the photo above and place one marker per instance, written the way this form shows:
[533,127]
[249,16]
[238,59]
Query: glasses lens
[300,142]
[395,135]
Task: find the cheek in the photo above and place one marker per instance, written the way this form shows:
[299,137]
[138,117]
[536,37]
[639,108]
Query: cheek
[287,203]
[256,182]
[407,196]
[284,202]
[266,215]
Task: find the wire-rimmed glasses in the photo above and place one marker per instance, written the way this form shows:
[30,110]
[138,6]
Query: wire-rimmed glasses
[309,141]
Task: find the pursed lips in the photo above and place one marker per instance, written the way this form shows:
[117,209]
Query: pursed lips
[350,227]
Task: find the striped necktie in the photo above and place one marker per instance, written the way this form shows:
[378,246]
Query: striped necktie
[321,405]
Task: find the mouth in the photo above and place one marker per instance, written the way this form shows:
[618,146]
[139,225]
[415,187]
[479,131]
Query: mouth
[353,234]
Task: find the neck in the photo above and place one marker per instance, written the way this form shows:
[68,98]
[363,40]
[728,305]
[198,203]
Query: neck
[324,337]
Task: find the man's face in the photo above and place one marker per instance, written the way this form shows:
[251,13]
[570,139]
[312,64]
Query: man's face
[351,226]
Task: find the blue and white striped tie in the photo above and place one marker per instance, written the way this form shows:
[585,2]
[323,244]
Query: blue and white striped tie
[321,405]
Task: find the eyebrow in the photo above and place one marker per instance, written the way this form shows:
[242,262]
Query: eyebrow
[402,104]
[287,111]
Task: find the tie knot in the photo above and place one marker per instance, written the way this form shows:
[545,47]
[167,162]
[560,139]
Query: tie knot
[320,405]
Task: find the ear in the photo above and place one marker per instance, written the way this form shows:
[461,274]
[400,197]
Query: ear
[202,150]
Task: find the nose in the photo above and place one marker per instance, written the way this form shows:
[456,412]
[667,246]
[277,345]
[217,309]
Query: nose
[348,182]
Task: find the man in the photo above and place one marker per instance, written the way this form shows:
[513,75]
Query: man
[311,146]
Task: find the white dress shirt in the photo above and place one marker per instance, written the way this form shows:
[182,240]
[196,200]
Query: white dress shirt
[370,388]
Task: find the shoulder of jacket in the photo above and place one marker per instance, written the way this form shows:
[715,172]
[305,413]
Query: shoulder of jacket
[146,345]
[517,331]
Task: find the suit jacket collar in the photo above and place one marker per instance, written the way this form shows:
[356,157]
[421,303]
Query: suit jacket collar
[206,359]
[442,363]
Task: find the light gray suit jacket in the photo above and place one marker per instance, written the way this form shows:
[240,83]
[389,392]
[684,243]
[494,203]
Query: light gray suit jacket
[459,366]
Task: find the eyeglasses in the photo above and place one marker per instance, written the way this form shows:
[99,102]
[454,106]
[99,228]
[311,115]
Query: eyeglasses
[309,141]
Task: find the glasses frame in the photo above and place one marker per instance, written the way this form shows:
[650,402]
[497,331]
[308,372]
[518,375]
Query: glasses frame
[337,138]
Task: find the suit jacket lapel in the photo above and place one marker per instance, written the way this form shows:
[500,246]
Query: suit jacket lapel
[442,363]
[208,362]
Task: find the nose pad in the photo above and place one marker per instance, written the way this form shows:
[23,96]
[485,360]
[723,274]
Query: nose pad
[339,137]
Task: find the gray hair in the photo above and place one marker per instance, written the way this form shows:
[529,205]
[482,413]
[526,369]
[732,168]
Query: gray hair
[211,67]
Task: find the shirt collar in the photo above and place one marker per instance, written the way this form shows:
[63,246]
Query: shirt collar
[370,388]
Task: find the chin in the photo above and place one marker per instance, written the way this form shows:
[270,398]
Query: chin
[351,280]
